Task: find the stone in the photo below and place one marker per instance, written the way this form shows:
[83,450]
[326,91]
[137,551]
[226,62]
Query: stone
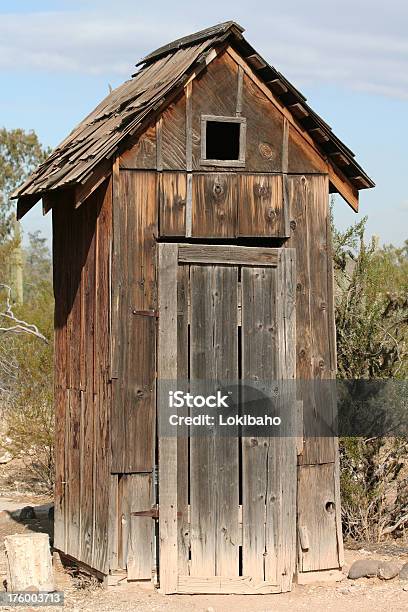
[403,573]
[364,568]
[27,513]
[388,570]
[5,458]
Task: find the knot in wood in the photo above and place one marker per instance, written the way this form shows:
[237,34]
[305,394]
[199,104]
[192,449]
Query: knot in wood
[270,214]
[265,150]
[218,190]
[261,190]
[293,224]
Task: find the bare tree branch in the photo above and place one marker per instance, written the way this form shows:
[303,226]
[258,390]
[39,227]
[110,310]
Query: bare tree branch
[20,326]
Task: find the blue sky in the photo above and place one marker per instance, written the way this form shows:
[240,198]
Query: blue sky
[350,58]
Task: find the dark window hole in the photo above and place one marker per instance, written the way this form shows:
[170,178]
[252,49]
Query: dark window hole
[222,140]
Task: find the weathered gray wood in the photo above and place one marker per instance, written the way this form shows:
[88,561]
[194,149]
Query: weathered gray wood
[29,566]
[140,546]
[214,460]
[183,531]
[113,533]
[219,585]
[259,356]
[227,255]
[167,371]
[317,514]
[284,465]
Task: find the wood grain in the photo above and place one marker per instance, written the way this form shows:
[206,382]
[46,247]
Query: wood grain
[260,206]
[214,205]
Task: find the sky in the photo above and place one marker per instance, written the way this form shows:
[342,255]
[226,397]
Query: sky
[349,58]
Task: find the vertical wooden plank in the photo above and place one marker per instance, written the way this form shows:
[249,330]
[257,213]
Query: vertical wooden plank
[213,459]
[173,196]
[118,219]
[238,109]
[174,136]
[285,464]
[73,485]
[260,206]
[159,145]
[167,371]
[189,126]
[141,153]
[317,514]
[113,523]
[215,205]
[102,366]
[264,131]
[139,553]
[60,403]
[133,412]
[260,368]
[183,288]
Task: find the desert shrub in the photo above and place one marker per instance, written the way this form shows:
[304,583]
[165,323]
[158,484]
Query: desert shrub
[371,299]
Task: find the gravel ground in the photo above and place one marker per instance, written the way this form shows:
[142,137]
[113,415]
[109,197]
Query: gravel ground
[371,595]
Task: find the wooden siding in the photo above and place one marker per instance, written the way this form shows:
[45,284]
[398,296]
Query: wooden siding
[134,355]
[81,248]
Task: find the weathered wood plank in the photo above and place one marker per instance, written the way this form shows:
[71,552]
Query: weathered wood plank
[174,136]
[260,206]
[133,411]
[213,460]
[167,371]
[241,585]
[214,205]
[141,152]
[317,513]
[264,130]
[183,527]
[113,532]
[214,93]
[227,255]
[260,368]
[173,196]
[283,464]
[140,546]
[102,440]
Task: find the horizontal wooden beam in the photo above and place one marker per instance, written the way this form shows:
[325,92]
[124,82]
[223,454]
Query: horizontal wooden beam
[344,187]
[243,585]
[227,255]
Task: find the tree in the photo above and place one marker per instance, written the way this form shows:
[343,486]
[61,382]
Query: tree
[26,330]
[371,298]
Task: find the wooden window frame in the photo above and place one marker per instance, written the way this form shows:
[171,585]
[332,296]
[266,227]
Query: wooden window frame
[226,163]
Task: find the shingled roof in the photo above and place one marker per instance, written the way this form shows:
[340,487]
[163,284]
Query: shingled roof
[126,110]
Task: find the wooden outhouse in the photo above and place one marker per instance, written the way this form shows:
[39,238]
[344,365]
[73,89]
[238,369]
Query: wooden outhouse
[191,240]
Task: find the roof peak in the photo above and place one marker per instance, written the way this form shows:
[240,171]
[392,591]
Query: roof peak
[191,39]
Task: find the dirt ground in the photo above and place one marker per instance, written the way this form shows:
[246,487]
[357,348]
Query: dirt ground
[81,594]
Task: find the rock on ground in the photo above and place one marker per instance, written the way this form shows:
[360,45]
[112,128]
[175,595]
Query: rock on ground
[388,570]
[364,568]
[403,573]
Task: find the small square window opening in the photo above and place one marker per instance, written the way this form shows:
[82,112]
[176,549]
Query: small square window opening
[223,141]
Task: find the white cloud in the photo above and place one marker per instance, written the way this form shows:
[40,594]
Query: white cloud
[355,44]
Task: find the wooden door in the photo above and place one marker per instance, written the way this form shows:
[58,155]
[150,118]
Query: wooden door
[227,504]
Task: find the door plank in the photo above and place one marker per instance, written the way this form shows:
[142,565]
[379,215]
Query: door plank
[167,371]
[213,459]
[259,367]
